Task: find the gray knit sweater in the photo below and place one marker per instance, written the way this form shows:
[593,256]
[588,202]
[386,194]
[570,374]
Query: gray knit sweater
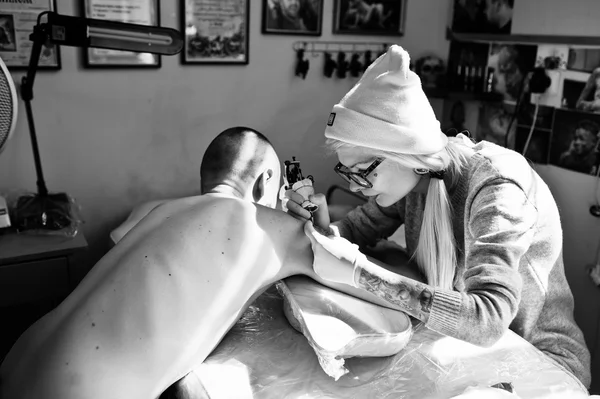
[510,271]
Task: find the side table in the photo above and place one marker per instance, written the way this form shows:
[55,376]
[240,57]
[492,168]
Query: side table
[37,267]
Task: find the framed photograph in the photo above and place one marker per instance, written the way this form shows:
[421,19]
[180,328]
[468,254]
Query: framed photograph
[539,144]
[481,16]
[575,140]
[511,63]
[292,17]
[583,59]
[215,31]
[543,120]
[369,17]
[17,19]
[571,92]
[141,12]
[493,123]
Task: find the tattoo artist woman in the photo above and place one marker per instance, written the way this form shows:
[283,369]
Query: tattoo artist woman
[482,225]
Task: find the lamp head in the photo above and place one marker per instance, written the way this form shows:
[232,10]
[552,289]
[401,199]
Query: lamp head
[87,32]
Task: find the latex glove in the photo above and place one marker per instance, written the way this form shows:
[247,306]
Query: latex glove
[335,258]
[291,202]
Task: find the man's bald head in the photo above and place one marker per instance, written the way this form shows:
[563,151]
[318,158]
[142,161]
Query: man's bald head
[237,157]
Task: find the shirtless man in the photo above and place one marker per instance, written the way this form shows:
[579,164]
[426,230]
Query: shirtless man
[157,304]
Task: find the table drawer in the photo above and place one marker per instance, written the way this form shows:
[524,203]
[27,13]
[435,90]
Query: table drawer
[32,281]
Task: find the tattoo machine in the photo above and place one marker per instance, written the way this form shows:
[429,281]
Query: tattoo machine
[293,180]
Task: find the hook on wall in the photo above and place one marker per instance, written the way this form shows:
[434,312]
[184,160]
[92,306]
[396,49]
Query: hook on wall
[342,64]
[320,47]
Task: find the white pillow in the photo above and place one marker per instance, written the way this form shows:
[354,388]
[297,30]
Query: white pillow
[340,326]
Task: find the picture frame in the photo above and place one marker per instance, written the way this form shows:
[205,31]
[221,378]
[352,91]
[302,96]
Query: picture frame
[369,17]
[304,18]
[574,141]
[215,31]
[142,12]
[17,21]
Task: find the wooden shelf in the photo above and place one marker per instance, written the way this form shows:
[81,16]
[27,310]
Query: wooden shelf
[522,39]
[462,96]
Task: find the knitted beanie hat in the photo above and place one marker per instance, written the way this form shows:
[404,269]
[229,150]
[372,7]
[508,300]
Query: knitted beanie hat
[387,110]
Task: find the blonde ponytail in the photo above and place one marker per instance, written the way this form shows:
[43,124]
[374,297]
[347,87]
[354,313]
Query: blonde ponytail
[436,249]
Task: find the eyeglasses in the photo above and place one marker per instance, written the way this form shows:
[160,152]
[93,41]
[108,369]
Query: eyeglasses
[359,178]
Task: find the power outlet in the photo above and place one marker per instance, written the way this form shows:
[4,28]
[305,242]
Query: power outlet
[551,97]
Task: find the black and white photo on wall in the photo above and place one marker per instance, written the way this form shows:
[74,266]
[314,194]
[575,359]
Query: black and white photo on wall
[17,19]
[538,146]
[483,16]
[215,31]
[583,59]
[140,12]
[369,17]
[575,139]
[454,118]
[292,17]
[571,91]
[544,116]
[494,124]
[511,64]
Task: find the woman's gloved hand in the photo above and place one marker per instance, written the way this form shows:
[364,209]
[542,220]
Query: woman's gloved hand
[292,202]
[335,258]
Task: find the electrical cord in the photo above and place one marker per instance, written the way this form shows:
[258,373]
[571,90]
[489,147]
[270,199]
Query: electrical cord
[530,135]
[517,107]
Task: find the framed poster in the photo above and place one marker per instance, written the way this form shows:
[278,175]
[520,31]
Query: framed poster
[292,17]
[141,12]
[368,17]
[481,16]
[575,140]
[215,31]
[17,19]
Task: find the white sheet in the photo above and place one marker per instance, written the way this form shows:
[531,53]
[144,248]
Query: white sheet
[264,357]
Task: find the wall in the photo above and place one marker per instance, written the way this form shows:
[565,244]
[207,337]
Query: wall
[115,138]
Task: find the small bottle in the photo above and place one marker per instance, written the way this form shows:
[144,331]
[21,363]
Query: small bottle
[489,83]
[479,79]
[467,75]
[457,82]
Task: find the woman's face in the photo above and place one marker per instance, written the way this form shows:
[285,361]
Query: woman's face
[391,182]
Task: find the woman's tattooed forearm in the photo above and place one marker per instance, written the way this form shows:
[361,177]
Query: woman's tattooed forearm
[411,296]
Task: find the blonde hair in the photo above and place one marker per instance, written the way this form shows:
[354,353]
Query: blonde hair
[436,250]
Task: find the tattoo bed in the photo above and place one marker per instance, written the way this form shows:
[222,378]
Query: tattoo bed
[263,356]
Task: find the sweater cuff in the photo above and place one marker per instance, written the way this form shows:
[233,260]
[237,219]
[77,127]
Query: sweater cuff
[444,312]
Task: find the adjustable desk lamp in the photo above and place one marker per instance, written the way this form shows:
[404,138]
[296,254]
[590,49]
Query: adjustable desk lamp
[45,211]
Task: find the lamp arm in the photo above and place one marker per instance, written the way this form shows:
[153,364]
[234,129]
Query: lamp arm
[38,37]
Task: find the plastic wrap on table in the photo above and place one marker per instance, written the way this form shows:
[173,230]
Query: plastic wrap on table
[268,359]
[339,326]
[49,214]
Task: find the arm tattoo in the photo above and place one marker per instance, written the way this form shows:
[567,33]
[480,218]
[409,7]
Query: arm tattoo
[413,297]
